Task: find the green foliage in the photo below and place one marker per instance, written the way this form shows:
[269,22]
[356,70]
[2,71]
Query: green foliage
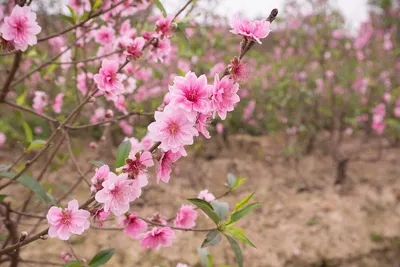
[213,238]
[122,153]
[236,216]
[29,183]
[236,249]
[102,257]
[206,208]
[161,8]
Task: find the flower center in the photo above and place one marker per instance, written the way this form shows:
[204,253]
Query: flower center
[173,128]
[191,95]
[66,217]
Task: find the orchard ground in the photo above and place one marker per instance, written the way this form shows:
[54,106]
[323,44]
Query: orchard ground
[305,219]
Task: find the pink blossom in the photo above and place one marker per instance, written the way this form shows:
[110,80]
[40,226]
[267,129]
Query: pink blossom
[133,226]
[158,218]
[165,167]
[186,217]
[119,104]
[98,115]
[38,130]
[107,80]
[378,123]
[58,101]
[3,139]
[146,143]
[126,128]
[165,26]
[65,222]
[182,265]
[135,48]
[202,122]
[161,50]
[238,70]
[82,83]
[249,110]
[157,237]
[191,94]
[105,35]
[117,192]
[136,166]
[39,101]
[100,216]
[79,6]
[101,174]
[397,108]
[253,30]
[205,195]
[57,43]
[21,28]
[172,129]
[65,256]
[224,95]
[220,128]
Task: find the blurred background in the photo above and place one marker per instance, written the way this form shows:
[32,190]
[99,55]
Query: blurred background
[316,133]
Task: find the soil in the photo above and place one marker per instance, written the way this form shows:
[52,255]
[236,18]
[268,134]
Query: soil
[305,219]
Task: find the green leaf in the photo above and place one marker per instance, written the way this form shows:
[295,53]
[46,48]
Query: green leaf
[97,4]
[50,69]
[102,257]
[239,214]
[27,130]
[2,197]
[206,207]
[161,8]
[238,233]
[231,179]
[97,163]
[221,209]
[4,168]
[209,260]
[236,249]
[21,98]
[243,202]
[73,15]
[122,153]
[73,264]
[36,144]
[238,183]
[205,257]
[28,182]
[212,239]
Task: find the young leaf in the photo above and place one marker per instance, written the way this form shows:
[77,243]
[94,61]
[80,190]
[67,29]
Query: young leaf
[102,257]
[238,233]
[220,208]
[73,15]
[28,182]
[96,4]
[212,239]
[73,264]
[238,183]
[160,7]
[36,144]
[206,207]
[239,214]
[97,163]
[236,249]
[243,202]
[205,257]
[2,197]
[122,153]
[27,130]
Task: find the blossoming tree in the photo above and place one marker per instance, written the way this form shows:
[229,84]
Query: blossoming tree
[126,52]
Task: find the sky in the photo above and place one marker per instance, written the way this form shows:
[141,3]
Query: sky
[354,10]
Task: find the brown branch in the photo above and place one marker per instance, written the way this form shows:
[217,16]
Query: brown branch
[22,108]
[14,68]
[182,9]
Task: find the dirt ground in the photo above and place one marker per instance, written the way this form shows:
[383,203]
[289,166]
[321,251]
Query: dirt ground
[305,219]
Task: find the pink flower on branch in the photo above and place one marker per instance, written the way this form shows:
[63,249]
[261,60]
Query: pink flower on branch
[191,94]
[165,167]
[135,48]
[172,129]
[252,30]
[39,101]
[165,26]
[21,28]
[136,166]
[224,95]
[186,217]
[117,192]
[65,222]
[133,226]
[107,79]
[101,174]
[58,102]
[158,237]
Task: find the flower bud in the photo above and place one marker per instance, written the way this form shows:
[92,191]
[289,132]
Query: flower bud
[109,114]
[23,236]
